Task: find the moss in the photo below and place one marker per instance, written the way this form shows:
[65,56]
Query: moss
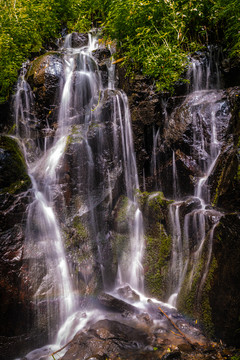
[40,63]
[122,209]
[13,167]
[206,310]
[80,229]
[188,295]
[218,188]
[158,251]
[18,186]
[193,299]
[155,200]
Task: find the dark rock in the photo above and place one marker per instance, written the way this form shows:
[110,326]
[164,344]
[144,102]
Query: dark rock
[6,121]
[13,170]
[224,295]
[102,57]
[128,293]
[185,347]
[15,296]
[114,304]
[231,71]
[79,40]
[107,339]
[44,76]
[101,54]
[145,318]
[224,182]
[174,355]
[189,205]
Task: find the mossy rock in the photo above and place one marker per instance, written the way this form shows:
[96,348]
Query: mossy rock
[154,207]
[210,291]
[13,176]
[156,262]
[44,64]
[124,212]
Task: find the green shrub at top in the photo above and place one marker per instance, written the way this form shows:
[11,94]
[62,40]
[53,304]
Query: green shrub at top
[153,36]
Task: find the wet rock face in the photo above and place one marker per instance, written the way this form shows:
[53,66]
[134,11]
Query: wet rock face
[44,76]
[224,181]
[79,40]
[224,297]
[108,339]
[13,171]
[102,57]
[164,129]
[118,341]
[114,304]
[15,304]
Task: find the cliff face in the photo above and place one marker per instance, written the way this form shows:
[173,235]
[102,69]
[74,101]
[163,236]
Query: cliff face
[191,225]
[168,132]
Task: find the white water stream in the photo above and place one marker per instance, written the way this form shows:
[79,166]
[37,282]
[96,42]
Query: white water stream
[81,93]
[208,119]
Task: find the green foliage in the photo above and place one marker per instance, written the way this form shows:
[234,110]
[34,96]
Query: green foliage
[227,18]
[148,39]
[24,27]
[154,37]
[235,357]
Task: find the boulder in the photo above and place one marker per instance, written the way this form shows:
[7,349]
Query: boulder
[112,303]
[44,76]
[13,170]
[109,339]
[128,293]
[79,40]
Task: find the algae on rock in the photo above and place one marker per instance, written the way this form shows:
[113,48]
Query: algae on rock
[14,177]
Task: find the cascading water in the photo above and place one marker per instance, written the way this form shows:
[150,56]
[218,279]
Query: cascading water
[133,274]
[209,117]
[103,155]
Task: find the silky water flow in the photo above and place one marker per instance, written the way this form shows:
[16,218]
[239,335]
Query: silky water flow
[81,109]
[81,95]
[209,117]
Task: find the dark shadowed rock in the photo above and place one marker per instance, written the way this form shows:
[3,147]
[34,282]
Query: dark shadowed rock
[101,54]
[79,40]
[114,304]
[224,295]
[44,76]
[174,355]
[128,293]
[13,170]
[108,339]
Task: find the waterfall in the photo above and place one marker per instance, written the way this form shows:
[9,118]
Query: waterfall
[104,158]
[208,118]
[133,273]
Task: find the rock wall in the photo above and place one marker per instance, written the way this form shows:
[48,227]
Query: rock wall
[169,121]
[217,305]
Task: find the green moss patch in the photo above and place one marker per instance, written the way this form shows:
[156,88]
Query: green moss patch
[13,177]
[158,252]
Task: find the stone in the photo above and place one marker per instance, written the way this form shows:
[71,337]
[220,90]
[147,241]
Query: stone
[224,298]
[101,54]
[13,169]
[174,355]
[79,40]
[114,304]
[128,293]
[107,338]
[44,76]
